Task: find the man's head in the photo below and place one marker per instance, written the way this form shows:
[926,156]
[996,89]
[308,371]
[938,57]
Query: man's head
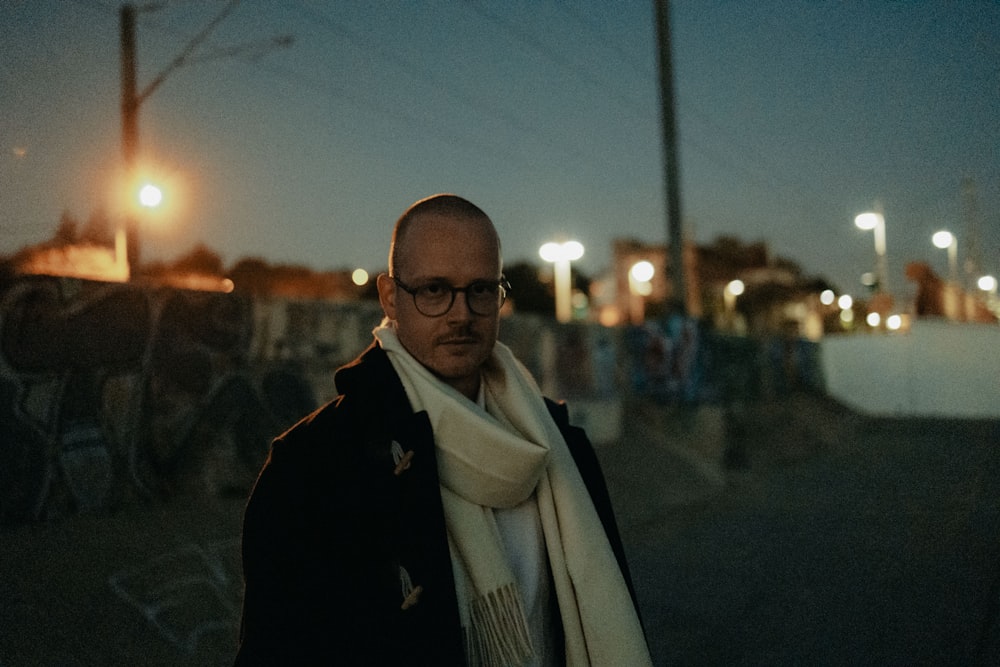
[441,243]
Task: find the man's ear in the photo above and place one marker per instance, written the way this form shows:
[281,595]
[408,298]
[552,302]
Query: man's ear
[387,294]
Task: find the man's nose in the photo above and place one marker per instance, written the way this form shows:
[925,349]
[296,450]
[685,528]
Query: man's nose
[460,310]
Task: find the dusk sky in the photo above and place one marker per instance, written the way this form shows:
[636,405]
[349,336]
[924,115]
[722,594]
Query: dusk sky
[792,118]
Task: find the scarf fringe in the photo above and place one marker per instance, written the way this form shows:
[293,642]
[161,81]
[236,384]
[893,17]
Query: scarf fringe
[498,632]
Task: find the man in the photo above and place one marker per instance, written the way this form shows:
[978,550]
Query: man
[439,511]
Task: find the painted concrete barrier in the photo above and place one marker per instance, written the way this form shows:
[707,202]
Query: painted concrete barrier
[113,393]
[937,369]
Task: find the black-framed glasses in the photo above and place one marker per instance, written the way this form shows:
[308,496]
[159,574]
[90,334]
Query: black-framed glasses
[434,299]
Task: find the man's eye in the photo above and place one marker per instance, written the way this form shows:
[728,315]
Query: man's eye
[435,289]
[481,289]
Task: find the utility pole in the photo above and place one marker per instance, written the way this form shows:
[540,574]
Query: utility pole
[671,170]
[970,216]
[132,98]
[130,128]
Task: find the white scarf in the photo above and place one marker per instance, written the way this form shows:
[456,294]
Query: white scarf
[496,458]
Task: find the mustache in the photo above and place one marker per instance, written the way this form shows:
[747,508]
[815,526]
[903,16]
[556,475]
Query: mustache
[461,334]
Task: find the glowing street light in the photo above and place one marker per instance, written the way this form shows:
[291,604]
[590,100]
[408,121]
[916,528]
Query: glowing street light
[561,254]
[733,289]
[639,287]
[876,223]
[150,195]
[946,241]
[642,272]
[846,304]
[988,284]
[359,277]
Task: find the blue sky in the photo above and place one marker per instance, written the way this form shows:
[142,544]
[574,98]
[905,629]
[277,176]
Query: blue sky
[792,118]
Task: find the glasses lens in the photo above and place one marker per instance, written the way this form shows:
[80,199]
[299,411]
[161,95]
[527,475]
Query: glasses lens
[433,299]
[483,297]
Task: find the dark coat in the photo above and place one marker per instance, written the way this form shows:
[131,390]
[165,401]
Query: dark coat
[332,520]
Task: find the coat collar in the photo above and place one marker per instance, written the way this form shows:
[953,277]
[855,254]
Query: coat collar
[370,372]
[372,379]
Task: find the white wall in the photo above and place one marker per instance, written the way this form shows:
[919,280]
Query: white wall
[937,369]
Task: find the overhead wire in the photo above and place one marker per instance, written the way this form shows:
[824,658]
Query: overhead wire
[723,159]
[719,144]
[753,165]
[574,68]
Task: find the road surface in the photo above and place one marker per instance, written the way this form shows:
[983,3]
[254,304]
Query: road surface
[811,536]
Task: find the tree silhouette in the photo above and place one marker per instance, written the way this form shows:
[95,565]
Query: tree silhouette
[251,275]
[65,233]
[528,293]
[201,260]
[97,230]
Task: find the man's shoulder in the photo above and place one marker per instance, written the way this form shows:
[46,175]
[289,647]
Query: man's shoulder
[368,391]
[559,411]
[328,418]
[575,436]
[577,441]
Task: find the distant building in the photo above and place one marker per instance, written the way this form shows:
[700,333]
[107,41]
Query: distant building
[88,261]
[937,297]
[777,298]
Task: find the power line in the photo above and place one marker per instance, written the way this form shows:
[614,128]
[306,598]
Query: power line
[532,41]
[755,170]
[429,78]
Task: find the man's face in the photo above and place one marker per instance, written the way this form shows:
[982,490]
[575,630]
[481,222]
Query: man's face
[455,251]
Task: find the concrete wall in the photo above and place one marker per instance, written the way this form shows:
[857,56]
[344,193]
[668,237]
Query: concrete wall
[114,392]
[937,369]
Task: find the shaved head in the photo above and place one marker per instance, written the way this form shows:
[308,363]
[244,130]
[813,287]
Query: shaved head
[440,205]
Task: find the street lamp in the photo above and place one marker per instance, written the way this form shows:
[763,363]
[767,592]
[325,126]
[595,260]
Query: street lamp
[639,287]
[988,284]
[359,277]
[946,240]
[876,223]
[561,254]
[733,289]
[150,195]
[846,304]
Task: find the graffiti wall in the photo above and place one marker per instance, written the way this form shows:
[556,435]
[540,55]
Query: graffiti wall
[112,393]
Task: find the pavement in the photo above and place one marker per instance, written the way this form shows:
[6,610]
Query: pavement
[834,540]
[792,532]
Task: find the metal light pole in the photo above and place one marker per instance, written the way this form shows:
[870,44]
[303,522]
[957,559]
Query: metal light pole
[561,254]
[639,288]
[947,241]
[733,289]
[876,223]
